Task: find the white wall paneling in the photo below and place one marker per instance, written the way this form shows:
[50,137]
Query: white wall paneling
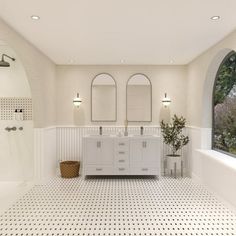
[38,154]
[44,153]
[56,144]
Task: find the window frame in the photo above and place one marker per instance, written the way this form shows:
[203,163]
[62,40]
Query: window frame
[213,110]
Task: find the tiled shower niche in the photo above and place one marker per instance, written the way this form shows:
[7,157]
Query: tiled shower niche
[8,105]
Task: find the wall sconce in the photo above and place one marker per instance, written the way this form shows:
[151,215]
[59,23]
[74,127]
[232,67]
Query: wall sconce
[77,101]
[166,101]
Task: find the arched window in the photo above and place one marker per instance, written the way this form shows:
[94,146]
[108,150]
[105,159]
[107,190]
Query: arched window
[224,107]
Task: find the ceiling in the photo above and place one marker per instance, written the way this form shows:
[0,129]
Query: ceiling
[110,32]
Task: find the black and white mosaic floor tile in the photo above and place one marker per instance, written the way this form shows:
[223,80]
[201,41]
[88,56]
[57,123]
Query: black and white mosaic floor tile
[118,207]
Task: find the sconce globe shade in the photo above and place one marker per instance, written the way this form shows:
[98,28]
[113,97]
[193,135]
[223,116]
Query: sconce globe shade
[166,101]
[77,101]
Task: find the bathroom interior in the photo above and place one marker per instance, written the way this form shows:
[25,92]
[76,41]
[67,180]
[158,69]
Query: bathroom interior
[97,92]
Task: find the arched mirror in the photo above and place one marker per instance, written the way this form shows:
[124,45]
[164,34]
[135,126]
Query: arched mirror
[139,98]
[103,98]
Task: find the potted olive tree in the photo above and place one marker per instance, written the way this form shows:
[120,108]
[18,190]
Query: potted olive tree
[173,136]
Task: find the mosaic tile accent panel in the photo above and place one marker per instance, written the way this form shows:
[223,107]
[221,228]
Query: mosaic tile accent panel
[9,104]
[118,207]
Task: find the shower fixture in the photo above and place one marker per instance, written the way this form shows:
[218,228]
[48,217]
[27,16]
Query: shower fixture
[5,63]
[9,129]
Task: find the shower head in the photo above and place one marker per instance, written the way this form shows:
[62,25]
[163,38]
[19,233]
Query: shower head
[5,63]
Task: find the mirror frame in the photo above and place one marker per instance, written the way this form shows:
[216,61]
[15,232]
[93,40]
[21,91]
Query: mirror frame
[127,98]
[92,120]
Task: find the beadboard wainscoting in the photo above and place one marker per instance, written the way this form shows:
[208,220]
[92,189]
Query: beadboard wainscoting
[45,158]
[56,144]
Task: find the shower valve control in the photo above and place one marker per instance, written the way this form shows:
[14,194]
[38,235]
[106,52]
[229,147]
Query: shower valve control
[11,128]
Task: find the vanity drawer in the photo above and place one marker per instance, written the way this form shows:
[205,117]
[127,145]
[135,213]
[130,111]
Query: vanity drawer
[121,169]
[121,161]
[145,170]
[122,144]
[120,153]
[98,170]
[121,157]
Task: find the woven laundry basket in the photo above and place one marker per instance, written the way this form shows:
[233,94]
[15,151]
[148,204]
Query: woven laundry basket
[69,169]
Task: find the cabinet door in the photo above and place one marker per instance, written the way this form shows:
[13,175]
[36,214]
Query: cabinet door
[150,151]
[135,152]
[107,150]
[93,152]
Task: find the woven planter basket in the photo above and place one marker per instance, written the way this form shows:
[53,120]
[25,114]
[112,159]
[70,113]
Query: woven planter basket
[69,169]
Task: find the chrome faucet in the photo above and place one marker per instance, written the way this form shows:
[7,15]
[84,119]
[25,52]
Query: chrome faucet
[126,128]
[10,128]
[100,130]
[141,130]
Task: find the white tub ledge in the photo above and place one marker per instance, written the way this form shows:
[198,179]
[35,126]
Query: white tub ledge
[218,172]
[222,158]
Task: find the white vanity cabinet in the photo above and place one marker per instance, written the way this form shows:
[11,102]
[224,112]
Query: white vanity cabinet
[134,155]
[98,156]
[145,156]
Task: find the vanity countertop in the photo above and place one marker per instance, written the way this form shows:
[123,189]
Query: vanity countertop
[132,136]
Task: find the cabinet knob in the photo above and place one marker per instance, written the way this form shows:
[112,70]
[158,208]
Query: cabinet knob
[144,169]
[98,169]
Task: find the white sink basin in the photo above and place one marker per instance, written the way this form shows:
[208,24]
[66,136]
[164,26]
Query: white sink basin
[145,136]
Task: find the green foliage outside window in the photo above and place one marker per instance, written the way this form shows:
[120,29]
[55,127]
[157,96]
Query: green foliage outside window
[224,101]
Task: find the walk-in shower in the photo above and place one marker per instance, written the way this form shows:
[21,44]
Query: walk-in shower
[16,122]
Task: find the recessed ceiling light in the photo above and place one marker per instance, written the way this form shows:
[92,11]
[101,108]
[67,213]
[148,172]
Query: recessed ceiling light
[215,17]
[35,17]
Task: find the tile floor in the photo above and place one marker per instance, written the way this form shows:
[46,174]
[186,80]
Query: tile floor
[10,192]
[118,206]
